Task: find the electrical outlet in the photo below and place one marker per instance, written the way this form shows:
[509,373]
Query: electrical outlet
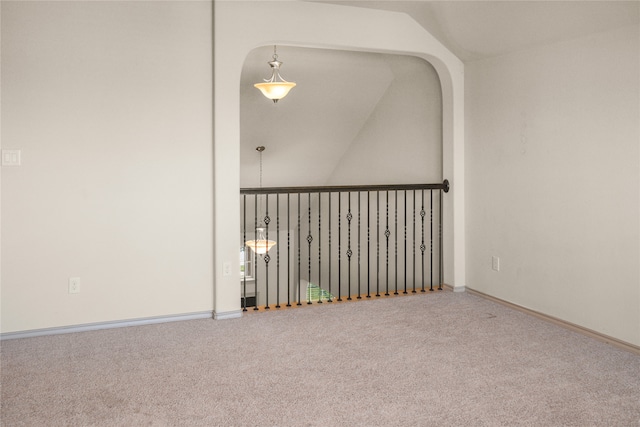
[495,263]
[74,285]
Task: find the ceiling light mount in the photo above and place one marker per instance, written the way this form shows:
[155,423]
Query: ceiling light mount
[275,88]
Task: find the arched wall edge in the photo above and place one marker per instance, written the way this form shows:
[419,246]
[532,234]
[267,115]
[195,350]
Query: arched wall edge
[241,26]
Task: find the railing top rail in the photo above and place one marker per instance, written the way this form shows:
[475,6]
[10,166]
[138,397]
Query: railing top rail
[346,188]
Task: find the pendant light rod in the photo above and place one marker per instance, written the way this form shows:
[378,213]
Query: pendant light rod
[260,149]
[261,244]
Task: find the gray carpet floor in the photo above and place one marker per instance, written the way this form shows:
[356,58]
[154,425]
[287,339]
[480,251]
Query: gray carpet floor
[434,359]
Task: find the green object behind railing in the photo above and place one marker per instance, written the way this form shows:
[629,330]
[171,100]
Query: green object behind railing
[315,292]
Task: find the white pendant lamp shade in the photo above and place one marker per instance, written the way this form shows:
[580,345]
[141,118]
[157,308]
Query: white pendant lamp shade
[275,90]
[261,245]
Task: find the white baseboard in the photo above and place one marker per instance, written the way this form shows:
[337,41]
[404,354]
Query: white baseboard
[459,288]
[105,325]
[227,315]
[563,323]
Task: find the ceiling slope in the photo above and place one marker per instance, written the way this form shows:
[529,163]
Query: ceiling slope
[481,29]
[306,133]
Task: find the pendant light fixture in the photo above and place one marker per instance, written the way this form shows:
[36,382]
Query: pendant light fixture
[275,88]
[261,244]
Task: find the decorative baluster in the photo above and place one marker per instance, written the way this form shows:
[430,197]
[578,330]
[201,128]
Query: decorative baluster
[440,255]
[422,246]
[339,246]
[288,249]
[368,246]
[330,299]
[309,240]
[349,252]
[277,251]
[396,245]
[405,242]
[387,233]
[377,243]
[299,245]
[266,257]
[359,210]
[319,248]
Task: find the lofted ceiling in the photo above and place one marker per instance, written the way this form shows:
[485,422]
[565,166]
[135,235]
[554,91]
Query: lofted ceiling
[308,133]
[480,29]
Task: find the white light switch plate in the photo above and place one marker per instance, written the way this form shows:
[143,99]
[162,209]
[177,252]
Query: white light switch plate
[10,157]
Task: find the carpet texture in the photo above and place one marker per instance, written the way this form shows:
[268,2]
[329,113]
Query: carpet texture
[434,359]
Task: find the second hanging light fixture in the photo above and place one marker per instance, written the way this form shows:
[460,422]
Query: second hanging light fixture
[261,244]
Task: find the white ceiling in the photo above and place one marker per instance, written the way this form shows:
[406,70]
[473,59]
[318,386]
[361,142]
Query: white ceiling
[480,29]
[307,133]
